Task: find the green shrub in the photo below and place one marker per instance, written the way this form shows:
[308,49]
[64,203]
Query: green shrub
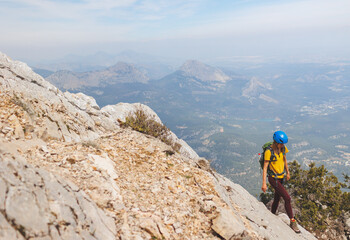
[141,122]
[317,194]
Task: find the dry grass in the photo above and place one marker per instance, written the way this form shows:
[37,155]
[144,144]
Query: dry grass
[141,122]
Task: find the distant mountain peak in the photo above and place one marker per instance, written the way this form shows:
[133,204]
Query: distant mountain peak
[203,71]
[121,66]
[255,89]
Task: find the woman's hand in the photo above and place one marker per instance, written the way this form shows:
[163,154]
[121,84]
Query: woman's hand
[264,187]
[288,176]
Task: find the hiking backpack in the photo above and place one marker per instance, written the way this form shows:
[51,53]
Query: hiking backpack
[273,158]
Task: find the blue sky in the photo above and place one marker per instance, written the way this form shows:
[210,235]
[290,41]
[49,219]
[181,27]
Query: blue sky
[42,29]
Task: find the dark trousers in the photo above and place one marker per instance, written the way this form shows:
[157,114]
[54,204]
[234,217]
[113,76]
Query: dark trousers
[280,191]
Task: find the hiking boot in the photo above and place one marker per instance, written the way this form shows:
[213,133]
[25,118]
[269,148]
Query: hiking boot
[294,226]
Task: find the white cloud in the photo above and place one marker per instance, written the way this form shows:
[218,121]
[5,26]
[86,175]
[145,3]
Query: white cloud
[107,4]
[88,20]
[292,17]
[184,22]
[94,8]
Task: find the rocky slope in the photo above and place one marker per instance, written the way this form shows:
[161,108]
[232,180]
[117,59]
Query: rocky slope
[68,171]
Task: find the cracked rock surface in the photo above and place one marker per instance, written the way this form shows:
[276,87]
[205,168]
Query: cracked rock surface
[35,203]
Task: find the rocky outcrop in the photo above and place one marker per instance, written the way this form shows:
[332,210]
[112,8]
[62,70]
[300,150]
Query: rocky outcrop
[121,110]
[35,204]
[68,171]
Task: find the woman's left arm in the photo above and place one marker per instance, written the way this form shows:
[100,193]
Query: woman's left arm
[286,167]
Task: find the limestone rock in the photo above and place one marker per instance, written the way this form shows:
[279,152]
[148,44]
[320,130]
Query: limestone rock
[52,114]
[227,225]
[104,163]
[203,164]
[38,200]
[18,129]
[21,205]
[83,102]
[151,227]
[121,110]
[7,231]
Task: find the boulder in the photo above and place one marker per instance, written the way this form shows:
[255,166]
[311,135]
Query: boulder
[227,224]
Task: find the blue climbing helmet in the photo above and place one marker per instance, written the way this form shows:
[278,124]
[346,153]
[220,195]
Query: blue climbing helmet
[280,137]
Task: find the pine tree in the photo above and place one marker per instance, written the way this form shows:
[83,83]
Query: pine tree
[317,194]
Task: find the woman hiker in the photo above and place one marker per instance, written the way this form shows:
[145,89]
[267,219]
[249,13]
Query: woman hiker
[275,167]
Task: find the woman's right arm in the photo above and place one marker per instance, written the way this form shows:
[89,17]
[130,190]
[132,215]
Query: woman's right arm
[264,186]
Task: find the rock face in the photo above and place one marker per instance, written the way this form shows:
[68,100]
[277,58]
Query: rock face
[35,203]
[68,171]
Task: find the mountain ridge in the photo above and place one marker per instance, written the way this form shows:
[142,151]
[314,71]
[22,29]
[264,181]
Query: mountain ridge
[121,72]
[85,177]
[204,72]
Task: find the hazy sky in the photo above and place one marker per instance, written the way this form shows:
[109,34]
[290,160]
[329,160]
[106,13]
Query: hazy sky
[39,29]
